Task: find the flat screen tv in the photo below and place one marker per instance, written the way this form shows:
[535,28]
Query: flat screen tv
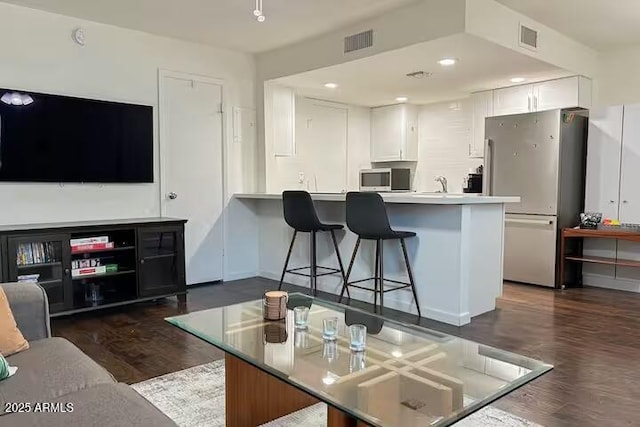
[50,138]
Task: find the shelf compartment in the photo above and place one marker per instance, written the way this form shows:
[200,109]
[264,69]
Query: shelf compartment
[603,260]
[104,275]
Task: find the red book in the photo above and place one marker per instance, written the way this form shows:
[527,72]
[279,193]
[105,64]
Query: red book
[92,247]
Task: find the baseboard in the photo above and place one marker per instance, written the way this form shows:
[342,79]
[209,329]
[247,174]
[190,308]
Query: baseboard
[389,301]
[609,282]
[228,277]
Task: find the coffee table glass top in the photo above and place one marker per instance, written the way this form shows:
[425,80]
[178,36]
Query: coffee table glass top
[407,376]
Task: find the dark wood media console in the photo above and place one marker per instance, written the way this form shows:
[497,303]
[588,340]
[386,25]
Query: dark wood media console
[136,260]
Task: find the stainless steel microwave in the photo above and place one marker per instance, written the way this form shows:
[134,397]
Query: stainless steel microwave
[386,180]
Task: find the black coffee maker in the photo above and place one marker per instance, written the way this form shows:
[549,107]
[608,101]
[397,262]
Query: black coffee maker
[473,181]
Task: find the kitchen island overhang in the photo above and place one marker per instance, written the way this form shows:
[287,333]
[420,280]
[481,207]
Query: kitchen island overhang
[456,257]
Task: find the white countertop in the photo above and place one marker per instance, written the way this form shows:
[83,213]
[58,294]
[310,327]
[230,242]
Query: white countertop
[405,198]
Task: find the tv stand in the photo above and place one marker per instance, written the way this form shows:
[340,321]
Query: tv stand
[89,265]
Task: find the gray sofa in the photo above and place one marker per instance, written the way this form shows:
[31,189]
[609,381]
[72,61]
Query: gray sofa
[54,371]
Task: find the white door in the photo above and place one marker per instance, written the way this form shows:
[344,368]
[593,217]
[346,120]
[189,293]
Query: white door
[603,160]
[192,169]
[513,100]
[630,177]
[556,94]
[321,135]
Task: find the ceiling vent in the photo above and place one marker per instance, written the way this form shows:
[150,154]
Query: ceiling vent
[528,37]
[358,41]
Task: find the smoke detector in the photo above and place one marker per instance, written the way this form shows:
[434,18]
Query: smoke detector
[419,74]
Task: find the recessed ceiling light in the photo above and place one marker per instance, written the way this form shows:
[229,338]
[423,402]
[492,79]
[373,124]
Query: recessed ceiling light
[447,62]
[402,99]
[517,79]
[331,85]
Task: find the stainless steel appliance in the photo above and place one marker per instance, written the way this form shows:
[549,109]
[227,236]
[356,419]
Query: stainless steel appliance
[539,157]
[386,180]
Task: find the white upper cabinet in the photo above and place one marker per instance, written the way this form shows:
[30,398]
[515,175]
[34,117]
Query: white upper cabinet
[282,115]
[394,133]
[482,108]
[603,160]
[513,100]
[550,95]
[630,174]
[562,93]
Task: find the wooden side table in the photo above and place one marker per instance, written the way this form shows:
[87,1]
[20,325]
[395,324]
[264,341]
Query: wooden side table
[627,233]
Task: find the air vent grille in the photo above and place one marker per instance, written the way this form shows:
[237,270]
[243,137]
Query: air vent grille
[358,41]
[528,37]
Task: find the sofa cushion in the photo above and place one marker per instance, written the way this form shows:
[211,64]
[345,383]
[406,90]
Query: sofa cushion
[51,368]
[112,405]
[11,339]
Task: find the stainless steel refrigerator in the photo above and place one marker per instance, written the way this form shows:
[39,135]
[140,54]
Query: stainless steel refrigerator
[541,158]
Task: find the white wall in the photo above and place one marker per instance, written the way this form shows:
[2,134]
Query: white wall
[283,171]
[445,132]
[116,64]
[619,77]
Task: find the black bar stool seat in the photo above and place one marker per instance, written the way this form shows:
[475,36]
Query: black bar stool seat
[300,214]
[367,218]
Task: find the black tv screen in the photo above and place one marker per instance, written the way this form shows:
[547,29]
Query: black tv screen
[50,138]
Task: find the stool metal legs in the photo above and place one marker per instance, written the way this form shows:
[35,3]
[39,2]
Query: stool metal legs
[345,283]
[313,264]
[411,281]
[286,263]
[378,278]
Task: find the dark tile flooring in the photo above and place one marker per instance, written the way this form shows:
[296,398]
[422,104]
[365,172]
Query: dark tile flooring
[592,336]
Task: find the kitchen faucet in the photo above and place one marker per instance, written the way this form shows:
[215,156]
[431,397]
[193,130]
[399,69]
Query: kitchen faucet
[443,181]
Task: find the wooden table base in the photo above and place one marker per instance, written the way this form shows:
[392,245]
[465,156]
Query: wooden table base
[254,397]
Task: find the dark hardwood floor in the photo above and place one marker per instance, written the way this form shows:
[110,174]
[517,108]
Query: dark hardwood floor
[591,335]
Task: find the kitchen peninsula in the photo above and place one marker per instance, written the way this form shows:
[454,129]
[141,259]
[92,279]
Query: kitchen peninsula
[457,257]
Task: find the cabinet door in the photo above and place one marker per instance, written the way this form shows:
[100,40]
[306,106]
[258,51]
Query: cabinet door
[513,100]
[555,94]
[482,108]
[603,161]
[387,133]
[630,174]
[283,107]
[161,260]
[47,260]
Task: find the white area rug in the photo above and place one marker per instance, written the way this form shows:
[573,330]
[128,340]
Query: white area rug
[195,397]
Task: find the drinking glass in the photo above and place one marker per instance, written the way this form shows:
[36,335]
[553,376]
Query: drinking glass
[357,362]
[301,316]
[301,338]
[358,340]
[330,328]
[330,351]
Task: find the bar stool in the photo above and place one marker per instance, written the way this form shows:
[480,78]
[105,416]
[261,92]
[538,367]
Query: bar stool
[367,217]
[300,214]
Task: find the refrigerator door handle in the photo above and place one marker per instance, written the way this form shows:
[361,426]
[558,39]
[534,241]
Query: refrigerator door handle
[529,221]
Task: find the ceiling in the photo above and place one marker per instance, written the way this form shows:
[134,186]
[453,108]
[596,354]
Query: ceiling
[378,80]
[601,24]
[224,23]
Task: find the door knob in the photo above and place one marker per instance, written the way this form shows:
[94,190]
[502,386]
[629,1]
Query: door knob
[173,195]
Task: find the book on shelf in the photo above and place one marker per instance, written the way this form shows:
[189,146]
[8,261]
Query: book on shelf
[35,253]
[89,240]
[92,247]
[80,272]
[28,278]
[86,263]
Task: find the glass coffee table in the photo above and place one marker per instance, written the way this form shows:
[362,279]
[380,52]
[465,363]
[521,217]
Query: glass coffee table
[407,375]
